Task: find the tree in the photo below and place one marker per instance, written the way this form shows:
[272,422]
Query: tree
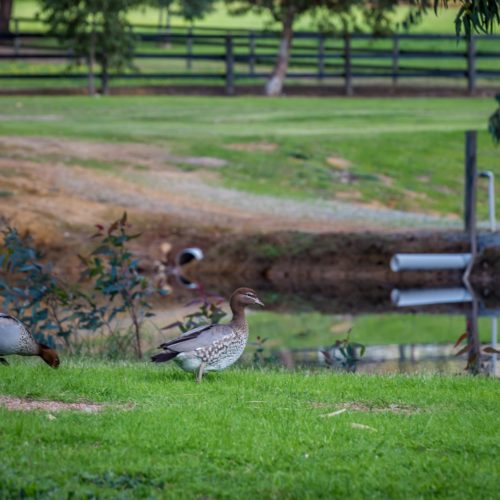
[287,12]
[473,15]
[494,123]
[96,31]
[188,9]
[5,14]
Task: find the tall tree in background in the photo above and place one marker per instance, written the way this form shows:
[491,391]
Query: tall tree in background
[97,31]
[341,14]
[344,15]
[5,15]
[188,9]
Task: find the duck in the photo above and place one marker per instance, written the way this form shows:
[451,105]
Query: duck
[15,338]
[212,347]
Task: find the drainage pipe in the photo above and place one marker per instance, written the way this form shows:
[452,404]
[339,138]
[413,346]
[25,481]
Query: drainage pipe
[408,298]
[488,174]
[187,255]
[429,261]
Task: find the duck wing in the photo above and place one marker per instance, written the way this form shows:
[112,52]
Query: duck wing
[202,336]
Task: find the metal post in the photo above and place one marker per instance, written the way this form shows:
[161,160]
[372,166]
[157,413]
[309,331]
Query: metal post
[17,40]
[321,57]
[494,345]
[470,196]
[229,65]
[395,59]
[488,174]
[471,65]
[347,65]
[189,46]
[470,180]
[251,50]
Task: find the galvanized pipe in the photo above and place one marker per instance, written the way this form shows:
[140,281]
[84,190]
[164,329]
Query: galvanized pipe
[408,298]
[429,261]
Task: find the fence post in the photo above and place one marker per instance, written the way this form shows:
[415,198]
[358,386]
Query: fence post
[251,53]
[347,65]
[229,65]
[470,182]
[471,65]
[189,46]
[321,57]
[17,40]
[395,59]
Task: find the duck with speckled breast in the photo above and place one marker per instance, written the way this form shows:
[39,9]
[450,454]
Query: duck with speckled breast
[212,347]
[15,338]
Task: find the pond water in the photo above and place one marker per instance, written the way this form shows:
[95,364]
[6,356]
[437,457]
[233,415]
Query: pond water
[387,330]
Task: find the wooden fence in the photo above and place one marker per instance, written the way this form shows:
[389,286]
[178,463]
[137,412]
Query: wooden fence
[243,56]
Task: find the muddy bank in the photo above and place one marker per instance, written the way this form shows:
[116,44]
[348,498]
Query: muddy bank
[339,272]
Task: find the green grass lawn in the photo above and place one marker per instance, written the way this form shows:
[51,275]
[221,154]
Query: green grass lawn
[401,153]
[245,433]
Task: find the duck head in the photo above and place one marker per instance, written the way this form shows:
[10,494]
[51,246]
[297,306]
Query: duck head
[243,297]
[49,355]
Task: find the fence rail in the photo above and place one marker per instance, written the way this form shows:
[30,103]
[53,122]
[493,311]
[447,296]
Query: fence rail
[213,54]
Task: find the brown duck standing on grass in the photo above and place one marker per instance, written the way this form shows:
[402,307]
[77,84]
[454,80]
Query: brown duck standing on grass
[16,339]
[212,347]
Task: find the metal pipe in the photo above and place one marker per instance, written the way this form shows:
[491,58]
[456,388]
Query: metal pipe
[408,298]
[429,261]
[488,174]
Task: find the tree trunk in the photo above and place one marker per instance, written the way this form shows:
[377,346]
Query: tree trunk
[274,85]
[5,14]
[104,78]
[91,62]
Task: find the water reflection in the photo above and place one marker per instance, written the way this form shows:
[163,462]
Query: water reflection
[304,320]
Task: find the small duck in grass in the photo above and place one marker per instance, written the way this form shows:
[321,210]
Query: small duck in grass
[16,339]
[212,347]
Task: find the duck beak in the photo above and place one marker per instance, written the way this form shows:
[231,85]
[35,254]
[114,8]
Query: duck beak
[258,302]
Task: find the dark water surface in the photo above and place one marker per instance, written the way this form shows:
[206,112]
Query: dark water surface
[390,330]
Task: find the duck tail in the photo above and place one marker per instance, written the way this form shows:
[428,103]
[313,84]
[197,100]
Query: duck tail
[163,356]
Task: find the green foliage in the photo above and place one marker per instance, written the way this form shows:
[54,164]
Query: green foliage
[117,289]
[209,312]
[494,123]
[94,30]
[473,15]
[112,298]
[344,354]
[188,9]
[30,290]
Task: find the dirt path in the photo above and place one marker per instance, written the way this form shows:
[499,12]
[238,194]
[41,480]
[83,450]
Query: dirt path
[76,183]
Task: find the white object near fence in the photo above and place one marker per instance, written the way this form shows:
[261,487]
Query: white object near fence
[408,298]
[429,261]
